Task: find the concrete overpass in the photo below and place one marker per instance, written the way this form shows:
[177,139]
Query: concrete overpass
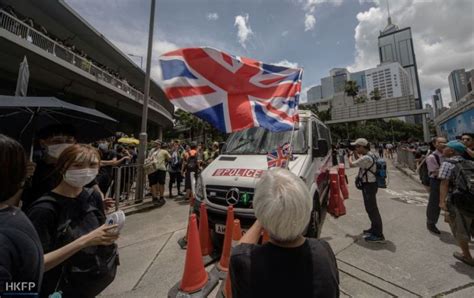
[57,71]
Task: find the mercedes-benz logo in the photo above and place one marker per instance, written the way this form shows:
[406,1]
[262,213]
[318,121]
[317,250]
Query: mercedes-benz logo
[232,196]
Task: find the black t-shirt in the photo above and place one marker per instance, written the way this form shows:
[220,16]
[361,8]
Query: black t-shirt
[21,255]
[309,270]
[44,180]
[45,222]
[106,156]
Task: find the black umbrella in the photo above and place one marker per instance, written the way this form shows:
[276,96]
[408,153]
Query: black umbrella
[21,117]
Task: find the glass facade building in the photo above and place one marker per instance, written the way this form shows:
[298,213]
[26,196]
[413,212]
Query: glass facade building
[396,45]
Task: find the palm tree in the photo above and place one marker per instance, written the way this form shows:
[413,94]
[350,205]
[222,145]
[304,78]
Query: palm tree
[375,94]
[351,89]
[361,99]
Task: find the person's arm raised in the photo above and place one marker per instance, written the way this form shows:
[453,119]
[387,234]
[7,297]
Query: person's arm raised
[253,234]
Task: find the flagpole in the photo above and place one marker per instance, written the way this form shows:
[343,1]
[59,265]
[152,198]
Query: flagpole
[143,133]
[293,129]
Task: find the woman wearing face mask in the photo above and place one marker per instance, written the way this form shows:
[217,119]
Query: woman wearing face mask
[81,257]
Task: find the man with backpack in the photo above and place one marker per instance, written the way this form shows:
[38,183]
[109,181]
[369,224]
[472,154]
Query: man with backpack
[190,165]
[433,162]
[457,196]
[366,181]
[174,168]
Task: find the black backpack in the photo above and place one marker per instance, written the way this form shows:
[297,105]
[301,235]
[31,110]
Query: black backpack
[192,162]
[463,188]
[89,271]
[423,171]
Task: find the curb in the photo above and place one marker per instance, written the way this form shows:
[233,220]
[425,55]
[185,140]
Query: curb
[142,207]
[408,172]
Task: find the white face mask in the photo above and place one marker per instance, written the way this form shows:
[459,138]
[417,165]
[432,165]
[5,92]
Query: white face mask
[80,177]
[56,150]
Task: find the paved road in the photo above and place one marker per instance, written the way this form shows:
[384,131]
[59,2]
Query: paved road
[412,263]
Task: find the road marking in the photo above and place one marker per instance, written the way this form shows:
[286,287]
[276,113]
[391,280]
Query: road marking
[409,197]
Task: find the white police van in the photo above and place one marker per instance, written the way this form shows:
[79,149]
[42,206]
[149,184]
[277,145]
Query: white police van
[231,178]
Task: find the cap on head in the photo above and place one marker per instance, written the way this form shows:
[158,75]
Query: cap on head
[456,146]
[360,142]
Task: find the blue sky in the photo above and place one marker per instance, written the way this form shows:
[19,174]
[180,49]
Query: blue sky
[314,34]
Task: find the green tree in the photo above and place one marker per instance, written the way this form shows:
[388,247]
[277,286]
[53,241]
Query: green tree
[197,127]
[351,89]
[360,99]
[375,94]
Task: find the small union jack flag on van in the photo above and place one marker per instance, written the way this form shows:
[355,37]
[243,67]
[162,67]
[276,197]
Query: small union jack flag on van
[232,93]
[278,158]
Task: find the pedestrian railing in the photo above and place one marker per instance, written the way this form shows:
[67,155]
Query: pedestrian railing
[30,34]
[124,185]
[406,159]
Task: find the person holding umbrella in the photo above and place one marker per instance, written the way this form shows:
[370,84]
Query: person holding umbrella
[53,140]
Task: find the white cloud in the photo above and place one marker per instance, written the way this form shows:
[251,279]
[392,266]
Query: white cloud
[243,28]
[212,16]
[441,44]
[309,6]
[309,22]
[286,63]
[284,33]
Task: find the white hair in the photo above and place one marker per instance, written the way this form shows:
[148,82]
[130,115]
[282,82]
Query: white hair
[282,204]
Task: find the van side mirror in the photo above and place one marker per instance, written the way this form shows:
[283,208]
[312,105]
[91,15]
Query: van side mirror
[322,148]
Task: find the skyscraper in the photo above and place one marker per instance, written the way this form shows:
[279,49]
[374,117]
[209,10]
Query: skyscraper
[396,45]
[458,82]
[390,79]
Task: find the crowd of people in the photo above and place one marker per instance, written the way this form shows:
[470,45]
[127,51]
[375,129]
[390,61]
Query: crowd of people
[67,248]
[450,183]
[86,61]
[55,208]
[180,160]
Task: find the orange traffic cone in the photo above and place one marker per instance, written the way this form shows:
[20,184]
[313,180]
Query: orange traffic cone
[196,281]
[194,276]
[336,205]
[342,181]
[223,266]
[183,242]
[236,232]
[265,237]
[204,236]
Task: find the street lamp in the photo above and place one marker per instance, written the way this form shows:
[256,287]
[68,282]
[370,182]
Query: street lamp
[138,56]
[143,133]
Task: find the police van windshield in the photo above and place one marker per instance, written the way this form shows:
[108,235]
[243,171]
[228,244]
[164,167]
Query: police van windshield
[257,140]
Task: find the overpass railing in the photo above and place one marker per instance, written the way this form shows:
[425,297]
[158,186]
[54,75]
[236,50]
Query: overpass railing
[24,31]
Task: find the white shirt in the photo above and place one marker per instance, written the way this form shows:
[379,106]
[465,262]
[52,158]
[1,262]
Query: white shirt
[365,162]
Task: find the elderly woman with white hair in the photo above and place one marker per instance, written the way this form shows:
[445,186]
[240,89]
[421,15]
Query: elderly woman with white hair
[289,265]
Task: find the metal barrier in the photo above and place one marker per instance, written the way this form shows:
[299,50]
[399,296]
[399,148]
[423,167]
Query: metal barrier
[406,159]
[24,31]
[123,186]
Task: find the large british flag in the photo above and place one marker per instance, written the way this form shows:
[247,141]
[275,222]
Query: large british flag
[230,92]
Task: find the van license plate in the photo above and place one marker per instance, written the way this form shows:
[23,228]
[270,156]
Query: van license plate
[220,229]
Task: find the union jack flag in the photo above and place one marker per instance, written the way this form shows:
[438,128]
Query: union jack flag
[277,159]
[230,92]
